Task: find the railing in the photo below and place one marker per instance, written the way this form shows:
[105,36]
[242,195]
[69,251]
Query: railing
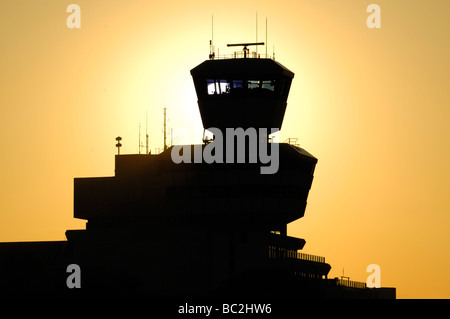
[241,55]
[349,283]
[292,141]
[277,252]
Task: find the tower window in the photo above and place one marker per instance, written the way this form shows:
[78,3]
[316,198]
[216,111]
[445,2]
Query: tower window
[237,84]
[218,86]
[243,87]
[253,84]
[269,85]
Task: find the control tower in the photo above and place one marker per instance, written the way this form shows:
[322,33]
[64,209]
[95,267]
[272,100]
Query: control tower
[242,92]
[198,228]
[207,227]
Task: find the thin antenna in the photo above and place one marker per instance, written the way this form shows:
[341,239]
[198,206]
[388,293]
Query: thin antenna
[146,133]
[165,145]
[256,32]
[211,42]
[266,37]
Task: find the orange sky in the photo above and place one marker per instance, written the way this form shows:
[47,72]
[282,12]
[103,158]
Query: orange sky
[371,104]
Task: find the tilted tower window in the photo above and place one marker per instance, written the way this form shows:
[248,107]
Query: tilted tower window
[253,84]
[218,86]
[268,85]
[253,87]
[237,84]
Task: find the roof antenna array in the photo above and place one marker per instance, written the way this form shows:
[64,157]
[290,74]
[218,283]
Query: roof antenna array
[146,136]
[245,45]
[212,53]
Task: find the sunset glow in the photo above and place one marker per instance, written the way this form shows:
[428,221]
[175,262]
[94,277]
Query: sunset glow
[371,104]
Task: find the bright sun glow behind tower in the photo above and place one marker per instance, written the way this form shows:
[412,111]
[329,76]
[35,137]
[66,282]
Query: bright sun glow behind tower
[370,104]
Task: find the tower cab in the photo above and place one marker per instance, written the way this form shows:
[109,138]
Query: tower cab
[242,91]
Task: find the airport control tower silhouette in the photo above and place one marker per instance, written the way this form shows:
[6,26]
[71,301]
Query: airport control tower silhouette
[195,228]
[207,229]
[200,228]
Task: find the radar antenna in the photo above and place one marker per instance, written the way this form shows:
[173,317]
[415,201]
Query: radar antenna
[245,45]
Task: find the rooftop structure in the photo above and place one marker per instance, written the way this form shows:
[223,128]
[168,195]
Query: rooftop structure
[160,228]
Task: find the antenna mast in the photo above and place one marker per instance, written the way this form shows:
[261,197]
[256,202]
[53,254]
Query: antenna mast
[118,145]
[211,45]
[266,37]
[256,32]
[146,134]
[165,145]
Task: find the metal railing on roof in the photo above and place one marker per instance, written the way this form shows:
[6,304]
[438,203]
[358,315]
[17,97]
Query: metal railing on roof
[346,282]
[277,252]
[292,141]
[240,55]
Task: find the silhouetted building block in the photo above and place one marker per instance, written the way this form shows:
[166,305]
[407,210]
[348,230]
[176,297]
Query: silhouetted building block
[157,228]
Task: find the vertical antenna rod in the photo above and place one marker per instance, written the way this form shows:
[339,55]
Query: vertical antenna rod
[266,37]
[146,134]
[211,42]
[256,32]
[165,145]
